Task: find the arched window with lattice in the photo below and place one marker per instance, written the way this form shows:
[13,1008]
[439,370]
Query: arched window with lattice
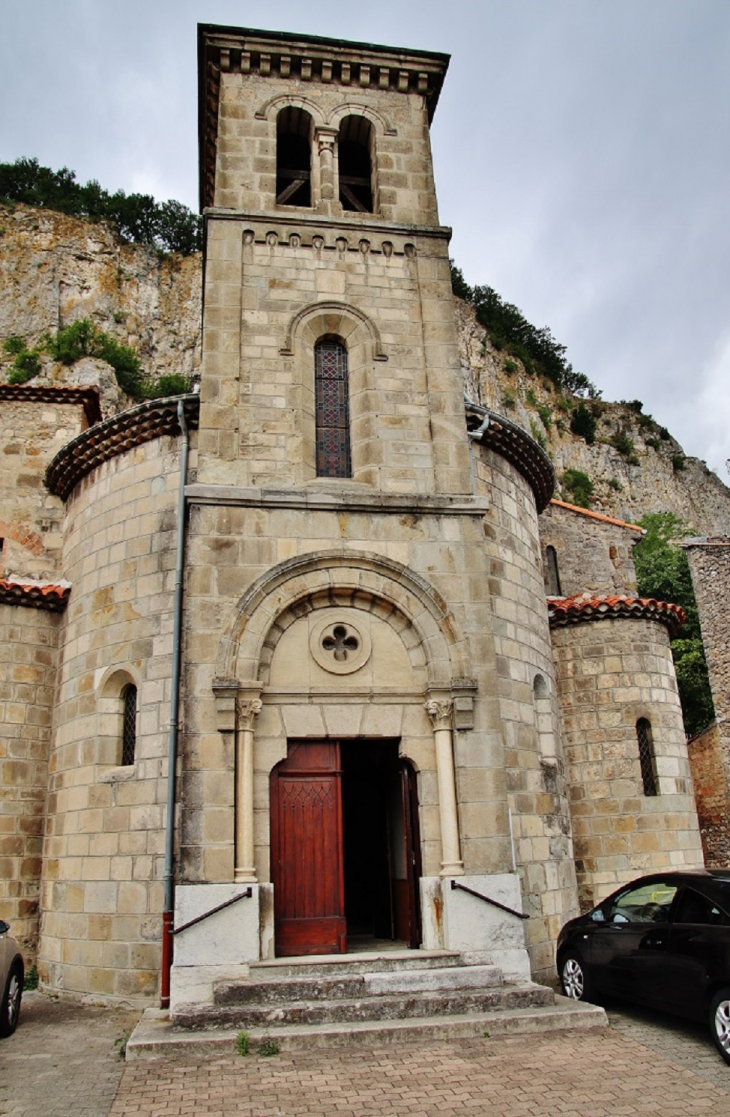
[647,757]
[129,724]
[332,408]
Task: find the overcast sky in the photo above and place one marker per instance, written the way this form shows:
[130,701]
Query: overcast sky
[581,148]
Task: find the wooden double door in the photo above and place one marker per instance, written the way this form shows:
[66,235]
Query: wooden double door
[345,848]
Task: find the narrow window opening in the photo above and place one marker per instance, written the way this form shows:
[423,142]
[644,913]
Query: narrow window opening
[355,165]
[293,157]
[129,725]
[647,759]
[553,577]
[332,409]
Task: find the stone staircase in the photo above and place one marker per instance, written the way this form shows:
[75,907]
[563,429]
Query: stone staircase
[333,1000]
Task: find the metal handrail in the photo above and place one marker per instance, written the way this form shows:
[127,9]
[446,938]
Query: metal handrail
[199,918]
[488,900]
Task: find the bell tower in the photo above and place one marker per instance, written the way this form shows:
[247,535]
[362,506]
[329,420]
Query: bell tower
[330,351]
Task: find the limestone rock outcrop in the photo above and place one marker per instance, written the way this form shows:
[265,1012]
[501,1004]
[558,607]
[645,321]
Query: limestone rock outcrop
[55,269]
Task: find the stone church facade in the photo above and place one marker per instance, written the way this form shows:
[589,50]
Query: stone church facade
[400,666]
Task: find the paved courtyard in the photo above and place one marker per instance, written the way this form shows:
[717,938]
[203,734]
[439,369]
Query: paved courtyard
[63,1062]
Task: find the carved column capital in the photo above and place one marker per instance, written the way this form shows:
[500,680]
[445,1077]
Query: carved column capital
[440,711]
[326,138]
[247,710]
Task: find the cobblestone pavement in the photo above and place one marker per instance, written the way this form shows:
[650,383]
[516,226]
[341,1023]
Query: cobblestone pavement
[62,1062]
[603,1073]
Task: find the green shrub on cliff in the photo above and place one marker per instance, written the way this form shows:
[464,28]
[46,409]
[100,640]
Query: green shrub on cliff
[167,226]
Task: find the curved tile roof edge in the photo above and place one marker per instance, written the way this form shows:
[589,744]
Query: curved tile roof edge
[34,595]
[513,443]
[113,436]
[52,393]
[586,607]
[153,418]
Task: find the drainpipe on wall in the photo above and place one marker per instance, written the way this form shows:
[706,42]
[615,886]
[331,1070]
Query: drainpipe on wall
[168,914]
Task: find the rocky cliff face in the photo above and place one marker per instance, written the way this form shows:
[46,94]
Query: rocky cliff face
[55,269]
[652,473]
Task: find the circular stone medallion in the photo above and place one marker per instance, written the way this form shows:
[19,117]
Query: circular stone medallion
[338,645]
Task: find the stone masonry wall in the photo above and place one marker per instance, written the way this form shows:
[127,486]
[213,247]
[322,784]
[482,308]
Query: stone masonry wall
[29,641]
[230,548]
[709,774]
[534,762]
[593,554]
[611,673]
[280,277]
[709,562]
[104,846]
[31,519]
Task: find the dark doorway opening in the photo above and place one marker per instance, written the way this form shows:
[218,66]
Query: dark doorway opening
[357,800]
[377,896]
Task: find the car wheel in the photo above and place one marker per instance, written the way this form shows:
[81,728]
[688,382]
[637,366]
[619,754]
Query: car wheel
[10,1008]
[720,1022]
[574,979]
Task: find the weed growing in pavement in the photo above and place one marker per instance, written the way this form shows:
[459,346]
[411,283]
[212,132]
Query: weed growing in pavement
[243,1043]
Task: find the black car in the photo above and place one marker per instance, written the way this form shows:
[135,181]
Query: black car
[661,941]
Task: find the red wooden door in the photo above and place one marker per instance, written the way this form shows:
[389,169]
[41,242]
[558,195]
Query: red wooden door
[307,851]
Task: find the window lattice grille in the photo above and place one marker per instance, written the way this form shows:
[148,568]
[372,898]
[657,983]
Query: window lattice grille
[332,410]
[129,731]
[646,756]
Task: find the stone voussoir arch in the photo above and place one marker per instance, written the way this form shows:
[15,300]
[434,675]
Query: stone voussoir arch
[333,318]
[382,124]
[344,579]
[274,105]
[23,536]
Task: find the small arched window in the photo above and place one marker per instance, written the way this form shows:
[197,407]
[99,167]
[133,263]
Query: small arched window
[129,724]
[553,575]
[354,146]
[332,409]
[293,157]
[647,759]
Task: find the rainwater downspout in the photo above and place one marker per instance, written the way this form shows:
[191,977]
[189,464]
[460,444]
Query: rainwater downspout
[168,914]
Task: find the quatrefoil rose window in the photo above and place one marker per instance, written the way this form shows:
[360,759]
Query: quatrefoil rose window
[338,645]
[342,643]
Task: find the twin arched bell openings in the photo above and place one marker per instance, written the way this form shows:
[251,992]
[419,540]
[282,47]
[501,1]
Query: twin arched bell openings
[327,164]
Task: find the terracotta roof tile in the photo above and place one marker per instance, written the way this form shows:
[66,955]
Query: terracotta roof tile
[592,607]
[34,595]
[596,515]
[49,393]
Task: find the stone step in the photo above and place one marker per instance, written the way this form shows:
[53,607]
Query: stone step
[364,962]
[156,1038]
[315,988]
[445,1002]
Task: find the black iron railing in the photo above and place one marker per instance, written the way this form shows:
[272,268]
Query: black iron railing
[488,900]
[199,918]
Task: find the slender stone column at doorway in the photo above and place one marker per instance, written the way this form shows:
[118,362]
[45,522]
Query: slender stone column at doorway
[440,711]
[247,710]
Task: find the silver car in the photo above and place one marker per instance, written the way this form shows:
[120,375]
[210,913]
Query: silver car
[11,980]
